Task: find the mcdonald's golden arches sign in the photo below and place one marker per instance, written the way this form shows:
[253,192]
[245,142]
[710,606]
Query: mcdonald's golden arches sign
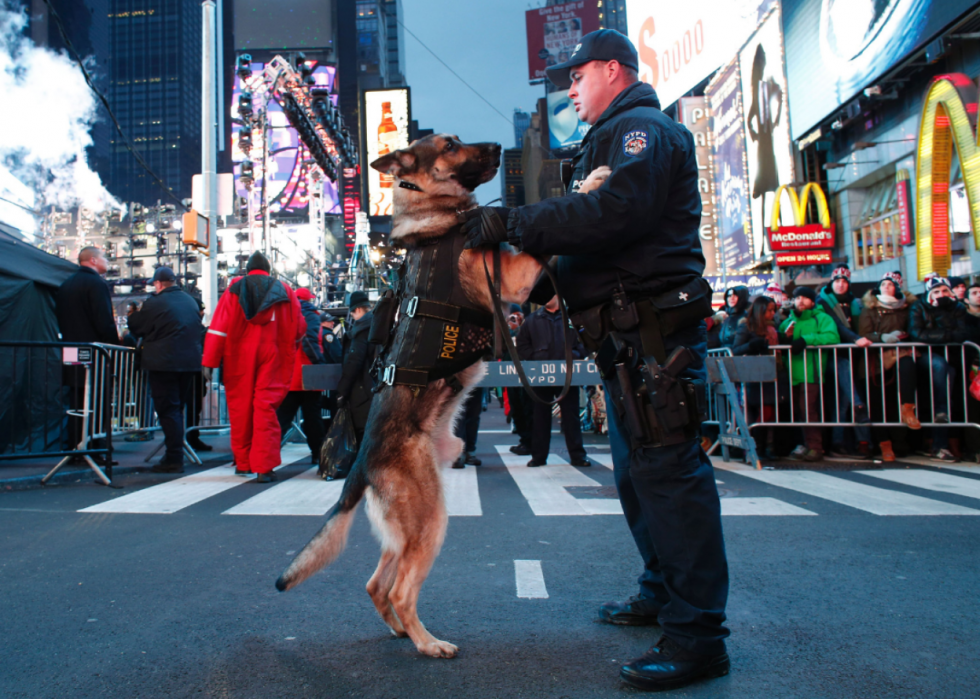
[949,117]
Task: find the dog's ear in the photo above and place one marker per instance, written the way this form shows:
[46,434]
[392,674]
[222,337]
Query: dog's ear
[396,164]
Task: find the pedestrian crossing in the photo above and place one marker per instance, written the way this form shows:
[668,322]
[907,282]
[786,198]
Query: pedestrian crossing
[556,490]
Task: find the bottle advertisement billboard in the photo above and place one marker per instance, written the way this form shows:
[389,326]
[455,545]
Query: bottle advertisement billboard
[386,117]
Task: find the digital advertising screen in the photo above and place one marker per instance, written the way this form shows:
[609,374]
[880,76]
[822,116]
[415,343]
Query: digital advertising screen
[682,43]
[837,48]
[768,148]
[386,117]
[288,159]
[553,33]
[564,128]
[277,25]
[732,213]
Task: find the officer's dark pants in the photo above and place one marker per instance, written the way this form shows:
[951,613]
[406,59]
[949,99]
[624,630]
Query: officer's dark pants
[571,427]
[309,403]
[671,505]
[521,413]
[171,391]
[468,425]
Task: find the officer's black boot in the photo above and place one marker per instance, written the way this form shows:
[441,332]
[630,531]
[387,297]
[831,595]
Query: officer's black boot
[636,611]
[668,666]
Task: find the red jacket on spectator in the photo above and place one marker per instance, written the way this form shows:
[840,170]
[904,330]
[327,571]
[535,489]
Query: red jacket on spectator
[253,337]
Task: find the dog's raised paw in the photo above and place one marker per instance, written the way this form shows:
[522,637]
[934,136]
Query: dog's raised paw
[439,649]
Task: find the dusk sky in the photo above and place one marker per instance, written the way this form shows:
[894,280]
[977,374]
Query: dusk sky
[485,43]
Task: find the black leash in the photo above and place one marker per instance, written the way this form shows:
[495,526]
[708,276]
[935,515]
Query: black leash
[493,284]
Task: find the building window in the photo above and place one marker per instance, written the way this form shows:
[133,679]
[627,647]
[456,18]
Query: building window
[876,237]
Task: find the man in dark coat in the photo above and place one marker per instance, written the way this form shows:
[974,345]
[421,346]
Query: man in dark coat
[543,336]
[169,323]
[637,233]
[938,318]
[310,352]
[83,306]
[356,388]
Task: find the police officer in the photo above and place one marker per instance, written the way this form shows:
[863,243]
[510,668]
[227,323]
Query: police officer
[630,270]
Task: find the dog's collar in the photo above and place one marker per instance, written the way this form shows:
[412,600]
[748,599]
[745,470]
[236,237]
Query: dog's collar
[409,185]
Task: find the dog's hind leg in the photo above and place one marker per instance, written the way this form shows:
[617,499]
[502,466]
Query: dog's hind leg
[418,554]
[380,585]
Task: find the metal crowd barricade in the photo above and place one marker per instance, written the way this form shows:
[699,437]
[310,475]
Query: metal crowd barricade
[876,376]
[61,402]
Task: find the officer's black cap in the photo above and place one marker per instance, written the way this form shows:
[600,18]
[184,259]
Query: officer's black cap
[601,45]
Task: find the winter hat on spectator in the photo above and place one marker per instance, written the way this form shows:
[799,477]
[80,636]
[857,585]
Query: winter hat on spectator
[840,272]
[956,281]
[258,261]
[894,277]
[358,299]
[304,294]
[805,291]
[934,281]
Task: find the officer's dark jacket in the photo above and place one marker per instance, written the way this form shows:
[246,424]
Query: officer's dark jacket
[333,351]
[355,379]
[84,309]
[641,225]
[170,325]
[541,337]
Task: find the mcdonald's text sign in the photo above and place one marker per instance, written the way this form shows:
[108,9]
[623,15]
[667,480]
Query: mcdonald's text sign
[803,235]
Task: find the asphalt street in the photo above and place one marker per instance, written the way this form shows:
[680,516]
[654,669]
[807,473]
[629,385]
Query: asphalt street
[844,584]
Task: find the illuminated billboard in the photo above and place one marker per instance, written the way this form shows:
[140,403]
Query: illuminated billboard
[682,43]
[834,50]
[288,158]
[564,128]
[724,95]
[386,117]
[554,31]
[768,148]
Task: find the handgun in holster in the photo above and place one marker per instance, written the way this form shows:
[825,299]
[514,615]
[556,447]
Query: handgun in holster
[675,406]
[615,360]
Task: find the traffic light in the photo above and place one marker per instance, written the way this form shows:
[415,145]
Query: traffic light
[245,105]
[244,66]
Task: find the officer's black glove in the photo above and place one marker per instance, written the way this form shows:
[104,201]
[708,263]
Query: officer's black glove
[486,226]
[798,345]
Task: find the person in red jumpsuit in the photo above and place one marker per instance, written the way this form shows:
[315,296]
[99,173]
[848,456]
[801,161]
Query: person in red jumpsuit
[253,336]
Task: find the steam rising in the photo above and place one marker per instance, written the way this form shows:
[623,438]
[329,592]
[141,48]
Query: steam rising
[47,112]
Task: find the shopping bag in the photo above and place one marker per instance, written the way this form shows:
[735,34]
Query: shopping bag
[339,448]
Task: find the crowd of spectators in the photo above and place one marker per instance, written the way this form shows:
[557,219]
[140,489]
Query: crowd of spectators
[869,373]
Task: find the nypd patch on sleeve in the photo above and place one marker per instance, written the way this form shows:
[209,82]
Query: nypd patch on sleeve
[635,142]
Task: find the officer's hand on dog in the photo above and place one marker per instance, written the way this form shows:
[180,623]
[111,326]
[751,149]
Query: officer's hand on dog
[485,226]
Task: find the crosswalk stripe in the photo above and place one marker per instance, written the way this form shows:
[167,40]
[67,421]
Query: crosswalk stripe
[305,494]
[462,493]
[877,501]
[544,487]
[930,480]
[530,580]
[975,470]
[602,459]
[175,495]
[760,506]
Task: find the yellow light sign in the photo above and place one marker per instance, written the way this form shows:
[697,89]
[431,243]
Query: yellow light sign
[799,203]
[949,117]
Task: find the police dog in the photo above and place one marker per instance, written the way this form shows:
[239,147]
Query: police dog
[408,439]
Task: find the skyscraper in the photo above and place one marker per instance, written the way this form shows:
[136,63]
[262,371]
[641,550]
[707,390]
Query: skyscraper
[155,93]
[512,180]
[522,121]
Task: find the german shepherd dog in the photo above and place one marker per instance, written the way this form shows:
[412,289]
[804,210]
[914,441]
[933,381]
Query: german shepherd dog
[408,439]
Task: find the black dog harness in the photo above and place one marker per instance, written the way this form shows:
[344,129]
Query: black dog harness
[438,332]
